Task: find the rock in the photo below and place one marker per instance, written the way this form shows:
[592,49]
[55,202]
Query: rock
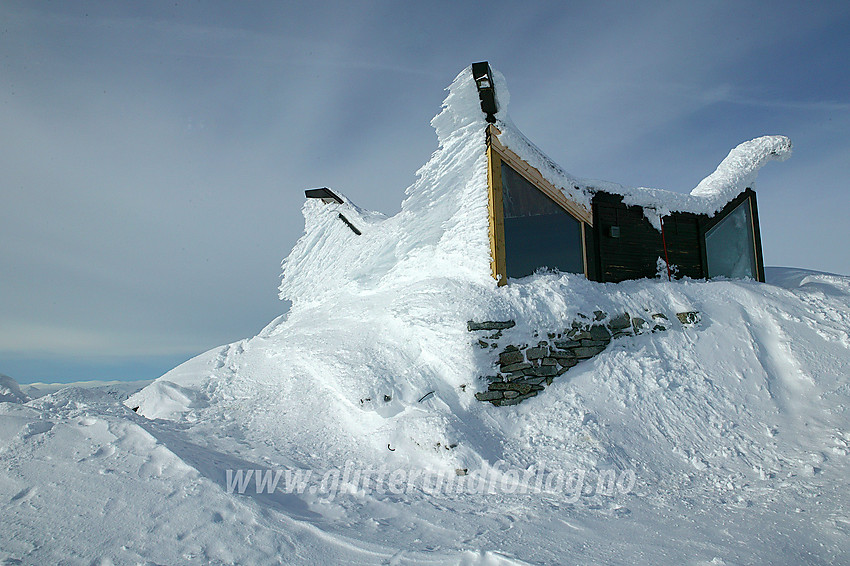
[549,362]
[516,367]
[511,394]
[483,344]
[564,344]
[510,357]
[588,352]
[472,326]
[567,362]
[689,317]
[599,332]
[599,315]
[536,353]
[514,375]
[521,387]
[639,325]
[620,322]
[518,400]
[542,371]
[587,343]
[564,354]
[511,348]
[489,395]
[581,335]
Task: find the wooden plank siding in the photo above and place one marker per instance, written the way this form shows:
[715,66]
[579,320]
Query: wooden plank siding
[634,254]
[684,244]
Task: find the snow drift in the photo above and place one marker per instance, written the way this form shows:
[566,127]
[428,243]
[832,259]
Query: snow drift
[379,320]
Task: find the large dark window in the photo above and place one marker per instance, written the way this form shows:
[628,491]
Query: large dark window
[730,247]
[538,232]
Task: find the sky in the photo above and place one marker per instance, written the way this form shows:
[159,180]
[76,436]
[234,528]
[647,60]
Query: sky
[153,155]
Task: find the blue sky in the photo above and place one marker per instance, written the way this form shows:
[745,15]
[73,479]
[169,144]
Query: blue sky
[154,155]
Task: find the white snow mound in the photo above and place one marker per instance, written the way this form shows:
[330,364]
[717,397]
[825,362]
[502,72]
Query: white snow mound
[378,321]
[10,391]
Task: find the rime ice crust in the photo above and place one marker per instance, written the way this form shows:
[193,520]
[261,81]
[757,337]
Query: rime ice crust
[442,228]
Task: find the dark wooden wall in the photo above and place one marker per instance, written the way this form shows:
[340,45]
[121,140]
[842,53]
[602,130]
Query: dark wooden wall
[684,244]
[634,254]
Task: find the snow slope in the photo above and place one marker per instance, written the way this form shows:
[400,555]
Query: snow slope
[729,438]
[736,428]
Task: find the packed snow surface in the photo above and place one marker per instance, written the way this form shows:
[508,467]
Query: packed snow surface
[736,430]
[725,442]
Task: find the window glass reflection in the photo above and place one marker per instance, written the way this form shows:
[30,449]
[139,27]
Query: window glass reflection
[729,246]
[538,232]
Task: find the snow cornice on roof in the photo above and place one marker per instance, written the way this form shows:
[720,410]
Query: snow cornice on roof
[736,173]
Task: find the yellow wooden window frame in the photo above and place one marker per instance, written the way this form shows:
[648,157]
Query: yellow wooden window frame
[496,154]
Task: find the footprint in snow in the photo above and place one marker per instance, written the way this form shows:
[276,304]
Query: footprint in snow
[104,451]
[87,421]
[36,428]
[23,495]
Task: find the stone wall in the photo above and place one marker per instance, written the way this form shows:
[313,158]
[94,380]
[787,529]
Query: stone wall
[524,369]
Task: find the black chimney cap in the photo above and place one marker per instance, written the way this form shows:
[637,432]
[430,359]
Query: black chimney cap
[486,90]
[325,194]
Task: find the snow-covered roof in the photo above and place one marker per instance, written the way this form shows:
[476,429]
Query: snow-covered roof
[735,174]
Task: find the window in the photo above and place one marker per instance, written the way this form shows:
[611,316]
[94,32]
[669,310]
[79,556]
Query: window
[533,224]
[538,232]
[730,245]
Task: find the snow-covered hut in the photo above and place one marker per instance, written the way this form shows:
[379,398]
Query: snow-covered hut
[540,217]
